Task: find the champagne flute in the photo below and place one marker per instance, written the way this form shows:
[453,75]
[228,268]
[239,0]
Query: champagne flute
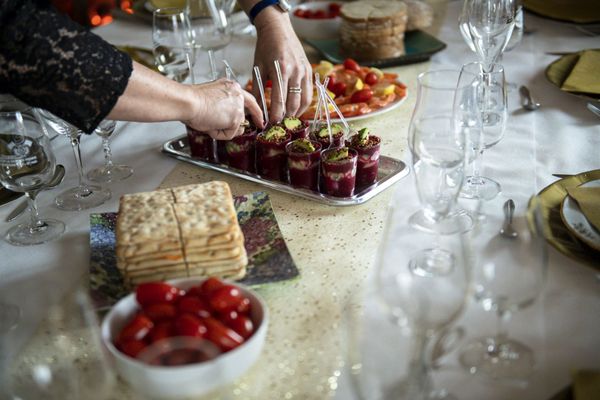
[109,172]
[493,106]
[508,275]
[172,41]
[84,195]
[27,163]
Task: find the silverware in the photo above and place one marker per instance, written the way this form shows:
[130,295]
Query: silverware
[527,100]
[59,174]
[507,230]
[594,108]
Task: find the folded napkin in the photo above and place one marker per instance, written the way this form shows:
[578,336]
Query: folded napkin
[584,76]
[586,385]
[588,199]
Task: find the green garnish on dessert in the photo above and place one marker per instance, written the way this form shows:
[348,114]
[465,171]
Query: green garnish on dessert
[338,154]
[303,146]
[335,129]
[275,133]
[363,136]
[292,123]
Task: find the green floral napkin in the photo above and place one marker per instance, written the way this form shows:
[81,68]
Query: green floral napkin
[585,75]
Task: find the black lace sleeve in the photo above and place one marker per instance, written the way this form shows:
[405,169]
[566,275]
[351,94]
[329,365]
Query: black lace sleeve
[51,62]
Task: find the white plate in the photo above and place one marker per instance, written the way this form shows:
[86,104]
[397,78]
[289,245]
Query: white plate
[576,221]
[375,113]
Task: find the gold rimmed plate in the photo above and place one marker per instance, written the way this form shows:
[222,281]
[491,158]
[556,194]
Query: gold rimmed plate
[555,231]
[558,71]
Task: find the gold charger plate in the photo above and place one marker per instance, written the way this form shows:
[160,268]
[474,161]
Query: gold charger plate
[555,231]
[578,11]
[560,69]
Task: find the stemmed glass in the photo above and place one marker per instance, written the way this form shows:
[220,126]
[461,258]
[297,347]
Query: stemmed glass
[493,106]
[508,275]
[211,34]
[428,301]
[438,146]
[84,195]
[173,42]
[27,163]
[109,172]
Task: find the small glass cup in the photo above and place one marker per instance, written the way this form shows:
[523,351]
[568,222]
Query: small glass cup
[241,151]
[271,158]
[368,160]
[339,177]
[304,167]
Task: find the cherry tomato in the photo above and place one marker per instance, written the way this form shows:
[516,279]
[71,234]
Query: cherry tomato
[160,311]
[225,338]
[243,306]
[195,306]
[239,323]
[209,285]
[269,83]
[132,347]
[225,298]
[339,89]
[162,330]
[351,65]
[320,14]
[371,78]
[331,82]
[136,329]
[189,325]
[334,8]
[156,292]
[362,96]
[299,13]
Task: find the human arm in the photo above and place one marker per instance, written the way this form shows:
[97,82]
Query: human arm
[276,40]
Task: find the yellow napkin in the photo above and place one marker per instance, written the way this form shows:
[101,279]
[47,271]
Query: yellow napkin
[586,385]
[588,199]
[585,76]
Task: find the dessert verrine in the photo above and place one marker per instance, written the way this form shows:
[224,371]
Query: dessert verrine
[304,156]
[201,145]
[368,148]
[271,158]
[338,169]
[241,150]
[321,134]
[222,151]
[297,128]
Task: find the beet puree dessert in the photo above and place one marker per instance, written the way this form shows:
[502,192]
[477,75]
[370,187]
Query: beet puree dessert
[368,148]
[298,129]
[201,145]
[241,153]
[222,151]
[303,162]
[271,158]
[338,167]
[322,135]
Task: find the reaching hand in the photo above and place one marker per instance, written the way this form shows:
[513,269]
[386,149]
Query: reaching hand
[220,112]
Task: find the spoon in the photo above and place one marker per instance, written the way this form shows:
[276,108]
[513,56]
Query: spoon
[593,108]
[507,230]
[527,101]
[59,174]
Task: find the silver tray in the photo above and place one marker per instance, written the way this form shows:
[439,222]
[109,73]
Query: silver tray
[391,170]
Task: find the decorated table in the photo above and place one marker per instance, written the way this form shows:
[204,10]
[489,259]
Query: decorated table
[334,248]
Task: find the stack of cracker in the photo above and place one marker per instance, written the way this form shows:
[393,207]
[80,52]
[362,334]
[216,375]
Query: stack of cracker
[373,30]
[180,232]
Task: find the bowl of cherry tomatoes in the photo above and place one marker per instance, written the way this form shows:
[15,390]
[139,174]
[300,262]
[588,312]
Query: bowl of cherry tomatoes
[317,20]
[185,337]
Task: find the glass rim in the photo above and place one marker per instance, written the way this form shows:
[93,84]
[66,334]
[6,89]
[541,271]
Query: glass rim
[451,84]
[495,68]
[168,11]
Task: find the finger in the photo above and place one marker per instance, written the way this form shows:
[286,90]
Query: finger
[223,134]
[307,93]
[277,110]
[254,110]
[294,95]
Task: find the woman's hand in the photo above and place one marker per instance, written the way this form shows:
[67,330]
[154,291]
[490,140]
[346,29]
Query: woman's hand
[220,109]
[276,40]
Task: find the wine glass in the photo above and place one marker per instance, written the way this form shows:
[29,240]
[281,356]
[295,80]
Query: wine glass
[438,147]
[486,26]
[84,195]
[493,105]
[211,34]
[508,275]
[172,41]
[64,359]
[27,163]
[429,301]
[109,172]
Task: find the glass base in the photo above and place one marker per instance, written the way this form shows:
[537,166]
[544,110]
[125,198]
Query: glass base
[487,189]
[458,221]
[24,235]
[82,197]
[111,173]
[508,360]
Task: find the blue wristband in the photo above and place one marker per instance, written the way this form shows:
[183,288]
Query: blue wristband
[258,7]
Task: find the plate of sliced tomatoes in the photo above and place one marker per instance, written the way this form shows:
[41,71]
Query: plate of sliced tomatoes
[359,91]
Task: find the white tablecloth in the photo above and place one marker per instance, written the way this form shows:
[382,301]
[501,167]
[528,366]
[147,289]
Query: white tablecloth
[561,137]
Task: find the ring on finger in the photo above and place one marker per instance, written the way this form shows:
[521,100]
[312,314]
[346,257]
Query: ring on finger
[295,89]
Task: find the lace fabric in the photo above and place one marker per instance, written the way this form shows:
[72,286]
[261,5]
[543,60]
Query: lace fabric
[49,61]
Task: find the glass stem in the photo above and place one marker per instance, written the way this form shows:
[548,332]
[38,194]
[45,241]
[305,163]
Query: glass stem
[476,171]
[419,373]
[501,330]
[77,152]
[35,218]
[107,153]
[213,66]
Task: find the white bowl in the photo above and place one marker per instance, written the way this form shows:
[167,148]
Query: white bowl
[188,380]
[315,28]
